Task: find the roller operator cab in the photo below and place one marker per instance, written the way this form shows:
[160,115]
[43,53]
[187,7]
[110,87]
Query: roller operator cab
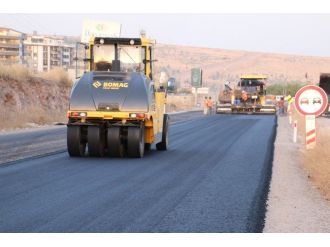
[247,97]
[116,108]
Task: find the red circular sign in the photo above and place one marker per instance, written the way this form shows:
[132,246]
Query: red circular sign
[311,100]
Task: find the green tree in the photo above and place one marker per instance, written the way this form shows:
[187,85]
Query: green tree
[280,88]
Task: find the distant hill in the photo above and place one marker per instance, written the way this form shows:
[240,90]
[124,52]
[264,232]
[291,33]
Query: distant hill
[226,65]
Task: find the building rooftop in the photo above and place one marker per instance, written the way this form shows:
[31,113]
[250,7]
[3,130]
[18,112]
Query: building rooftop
[10,29]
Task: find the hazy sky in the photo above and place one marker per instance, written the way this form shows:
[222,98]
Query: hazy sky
[305,34]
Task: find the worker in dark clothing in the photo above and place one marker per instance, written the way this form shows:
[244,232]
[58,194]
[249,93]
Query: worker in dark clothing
[209,106]
[281,106]
[205,105]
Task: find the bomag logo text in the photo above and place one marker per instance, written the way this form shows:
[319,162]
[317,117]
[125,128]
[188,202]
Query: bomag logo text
[97,84]
[115,85]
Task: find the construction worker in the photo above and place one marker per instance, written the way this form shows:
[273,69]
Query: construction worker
[244,97]
[205,105]
[290,100]
[209,106]
[281,106]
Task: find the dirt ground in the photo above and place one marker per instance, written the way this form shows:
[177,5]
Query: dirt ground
[317,161]
[179,103]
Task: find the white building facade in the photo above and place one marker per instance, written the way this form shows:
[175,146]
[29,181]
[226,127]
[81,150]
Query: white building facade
[44,53]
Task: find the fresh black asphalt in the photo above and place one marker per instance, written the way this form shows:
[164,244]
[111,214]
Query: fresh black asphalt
[23,144]
[214,178]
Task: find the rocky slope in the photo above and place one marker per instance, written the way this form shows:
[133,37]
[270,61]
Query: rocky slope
[32,99]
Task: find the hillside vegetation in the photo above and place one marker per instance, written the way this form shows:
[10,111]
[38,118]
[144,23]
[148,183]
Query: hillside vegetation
[284,89]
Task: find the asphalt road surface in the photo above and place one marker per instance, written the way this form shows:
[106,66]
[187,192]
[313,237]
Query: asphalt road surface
[51,139]
[214,178]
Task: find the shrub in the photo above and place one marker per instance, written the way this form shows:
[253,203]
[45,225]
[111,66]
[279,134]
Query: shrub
[16,72]
[279,89]
[11,118]
[59,76]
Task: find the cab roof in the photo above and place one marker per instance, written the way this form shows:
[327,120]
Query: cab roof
[253,76]
[124,41]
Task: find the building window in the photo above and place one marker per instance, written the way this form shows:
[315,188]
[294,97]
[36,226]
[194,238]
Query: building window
[36,40]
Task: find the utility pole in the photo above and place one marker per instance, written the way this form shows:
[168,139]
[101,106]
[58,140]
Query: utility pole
[76,59]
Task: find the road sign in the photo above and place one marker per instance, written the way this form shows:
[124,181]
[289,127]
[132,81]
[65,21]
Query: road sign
[203,90]
[200,90]
[100,29]
[311,100]
[196,77]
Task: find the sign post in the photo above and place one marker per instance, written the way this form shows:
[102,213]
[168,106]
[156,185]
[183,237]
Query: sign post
[310,132]
[196,80]
[310,101]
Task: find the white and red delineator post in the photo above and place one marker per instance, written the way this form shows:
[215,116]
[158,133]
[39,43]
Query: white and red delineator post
[311,101]
[295,131]
[310,138]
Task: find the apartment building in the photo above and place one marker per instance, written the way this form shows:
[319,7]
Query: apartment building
[44,53]
[12,48]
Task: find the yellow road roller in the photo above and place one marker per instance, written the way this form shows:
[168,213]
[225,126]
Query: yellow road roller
[116,108]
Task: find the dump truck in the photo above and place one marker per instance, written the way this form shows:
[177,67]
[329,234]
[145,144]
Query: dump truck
[247,97]
[325,85]
[116,108]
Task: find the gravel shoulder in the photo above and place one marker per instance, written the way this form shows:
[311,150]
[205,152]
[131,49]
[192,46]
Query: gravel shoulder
[294,203]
